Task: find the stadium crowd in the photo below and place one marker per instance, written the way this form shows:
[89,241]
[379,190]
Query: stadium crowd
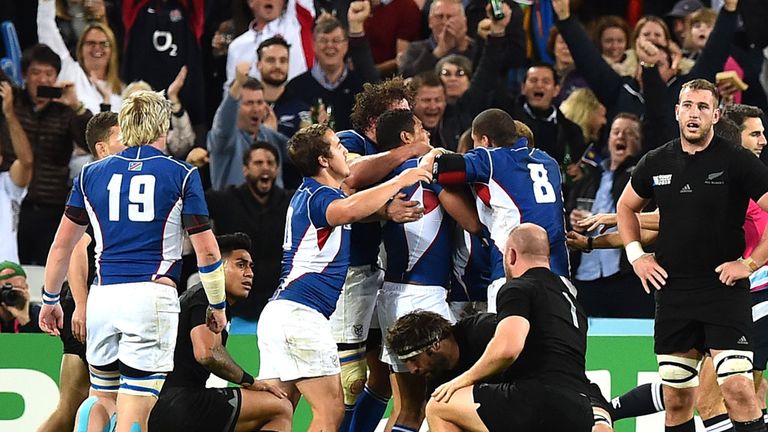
[417,97]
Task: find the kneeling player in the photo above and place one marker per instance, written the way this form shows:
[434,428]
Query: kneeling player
[185,404]
[536,354]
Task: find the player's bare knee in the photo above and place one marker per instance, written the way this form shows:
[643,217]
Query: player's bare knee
[738,390]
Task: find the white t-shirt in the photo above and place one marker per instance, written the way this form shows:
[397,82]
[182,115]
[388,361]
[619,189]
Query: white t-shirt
[10,205]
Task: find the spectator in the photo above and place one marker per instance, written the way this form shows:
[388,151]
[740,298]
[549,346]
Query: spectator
[330,78]
[570,79]
[429,105]
[654,30]
[52,126]
[606,284]
[161,38]
[17,314]
[13,181]
[238,122]
[583,108]
[554,132]
[611,35]
[679,17]
[291,19]
[288,111]
[72,19]
[257,207]
[449,36]
[392,26]
[94,70]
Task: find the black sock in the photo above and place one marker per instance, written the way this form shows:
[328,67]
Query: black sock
[688,426]
[756,425]
[719,423]
[640,401]
[765,416]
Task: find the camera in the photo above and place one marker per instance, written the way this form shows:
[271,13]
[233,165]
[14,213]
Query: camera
[11,297]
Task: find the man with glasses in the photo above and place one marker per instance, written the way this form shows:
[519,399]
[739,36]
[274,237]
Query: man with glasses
[330,83]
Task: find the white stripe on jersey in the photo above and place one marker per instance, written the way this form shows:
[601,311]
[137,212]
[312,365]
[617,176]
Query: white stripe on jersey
[97,235]
[420,235]
[173,239]
[501,215]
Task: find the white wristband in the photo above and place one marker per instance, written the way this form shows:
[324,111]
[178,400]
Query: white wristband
[634,251]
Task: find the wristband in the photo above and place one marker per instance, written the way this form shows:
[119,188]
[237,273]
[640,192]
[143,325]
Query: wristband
[749,263]
[212,277]
[246,379]
[634,251]
[51,299]
[590,247]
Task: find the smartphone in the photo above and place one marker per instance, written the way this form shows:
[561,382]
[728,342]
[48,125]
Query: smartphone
[496,10]
[49,92]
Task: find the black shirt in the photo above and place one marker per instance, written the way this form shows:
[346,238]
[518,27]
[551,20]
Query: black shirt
[556,346]
[702,199]
[187,372]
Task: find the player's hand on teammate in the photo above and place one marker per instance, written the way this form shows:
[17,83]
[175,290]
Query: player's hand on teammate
[414,175]
[650,272]
[216,320]
[576,241]
[51,319]
[732,271]
[198,157]
[78,324]
[428,160]
[402,211]
[446,391]
[604,221]
[267,387]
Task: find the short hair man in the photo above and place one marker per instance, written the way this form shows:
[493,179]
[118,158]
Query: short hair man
[513,185]
[429,104]
[419,256]
[707,315]
[102,136]
[257,207]
[239,122]
[539,345]
[315,263]
[185,404]
[138,195]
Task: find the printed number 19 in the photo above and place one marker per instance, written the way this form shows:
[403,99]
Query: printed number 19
[141,198]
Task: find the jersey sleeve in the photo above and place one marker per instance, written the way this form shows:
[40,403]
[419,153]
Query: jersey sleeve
[194,198]
[76,197]
[198,309]
[478,165]
[318,205]
[514,299]
[641,179]
[751,173]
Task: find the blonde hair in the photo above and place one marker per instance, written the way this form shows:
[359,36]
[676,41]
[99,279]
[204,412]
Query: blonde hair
[135,86]
[703,15]
[579,107]
[113,68]
[144,118]
[525,132]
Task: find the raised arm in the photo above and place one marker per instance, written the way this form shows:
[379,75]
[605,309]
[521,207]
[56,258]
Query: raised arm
[716,51]
[359,48]
[21,169]
[367,170]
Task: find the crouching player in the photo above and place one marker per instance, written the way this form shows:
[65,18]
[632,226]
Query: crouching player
[185,404]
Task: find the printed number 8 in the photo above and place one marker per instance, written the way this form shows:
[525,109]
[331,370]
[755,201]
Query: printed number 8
[542,188]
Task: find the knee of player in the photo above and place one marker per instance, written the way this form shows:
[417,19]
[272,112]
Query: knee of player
[435,409]
[737,389]
[353,373]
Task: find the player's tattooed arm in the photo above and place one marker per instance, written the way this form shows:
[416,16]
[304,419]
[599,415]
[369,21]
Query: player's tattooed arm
[212,355]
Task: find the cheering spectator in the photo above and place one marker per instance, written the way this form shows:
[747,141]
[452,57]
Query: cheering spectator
[429,105]
[290,19]
[570,78]
[95,72]
[15,179]
[52,126]
[679,16]
[330,78]
[449,36]
[392,26]
[611,35]
[583,108]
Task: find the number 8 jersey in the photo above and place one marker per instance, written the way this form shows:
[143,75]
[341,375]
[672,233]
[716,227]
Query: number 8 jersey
[515,185]
[135,201]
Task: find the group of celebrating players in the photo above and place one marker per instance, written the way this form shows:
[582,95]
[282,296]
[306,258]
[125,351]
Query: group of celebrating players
[350,325]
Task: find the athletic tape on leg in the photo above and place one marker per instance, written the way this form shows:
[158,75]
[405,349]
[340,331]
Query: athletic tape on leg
[104,381]
[353,373]
[145,386]
[678,372]
[84,414]
[729,363]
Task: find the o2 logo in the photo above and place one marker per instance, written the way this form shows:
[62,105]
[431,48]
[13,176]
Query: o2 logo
[163,41]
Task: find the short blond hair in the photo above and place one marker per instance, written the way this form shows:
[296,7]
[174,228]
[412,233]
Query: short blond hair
[144,118]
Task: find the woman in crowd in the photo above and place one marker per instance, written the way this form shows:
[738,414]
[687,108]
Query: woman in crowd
[583,108]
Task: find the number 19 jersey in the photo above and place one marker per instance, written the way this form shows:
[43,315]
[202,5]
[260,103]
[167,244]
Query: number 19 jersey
[514,185]
[135,201]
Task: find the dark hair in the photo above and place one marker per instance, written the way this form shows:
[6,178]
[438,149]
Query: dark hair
[40,53]
[739,113]
[232,242]
[497,125]
[327,24]
[645,20]
[553,32]
[425,79]
[98,129]
[375,99]
[252,84]
[541,64]
[306,146]
[458,60]
[728,130]
[702,84]
[260,145]
[416,331]
[609,21]
[274,40]
[632,117]
[390,124]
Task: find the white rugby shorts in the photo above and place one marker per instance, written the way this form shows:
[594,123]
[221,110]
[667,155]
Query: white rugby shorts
[354,312]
